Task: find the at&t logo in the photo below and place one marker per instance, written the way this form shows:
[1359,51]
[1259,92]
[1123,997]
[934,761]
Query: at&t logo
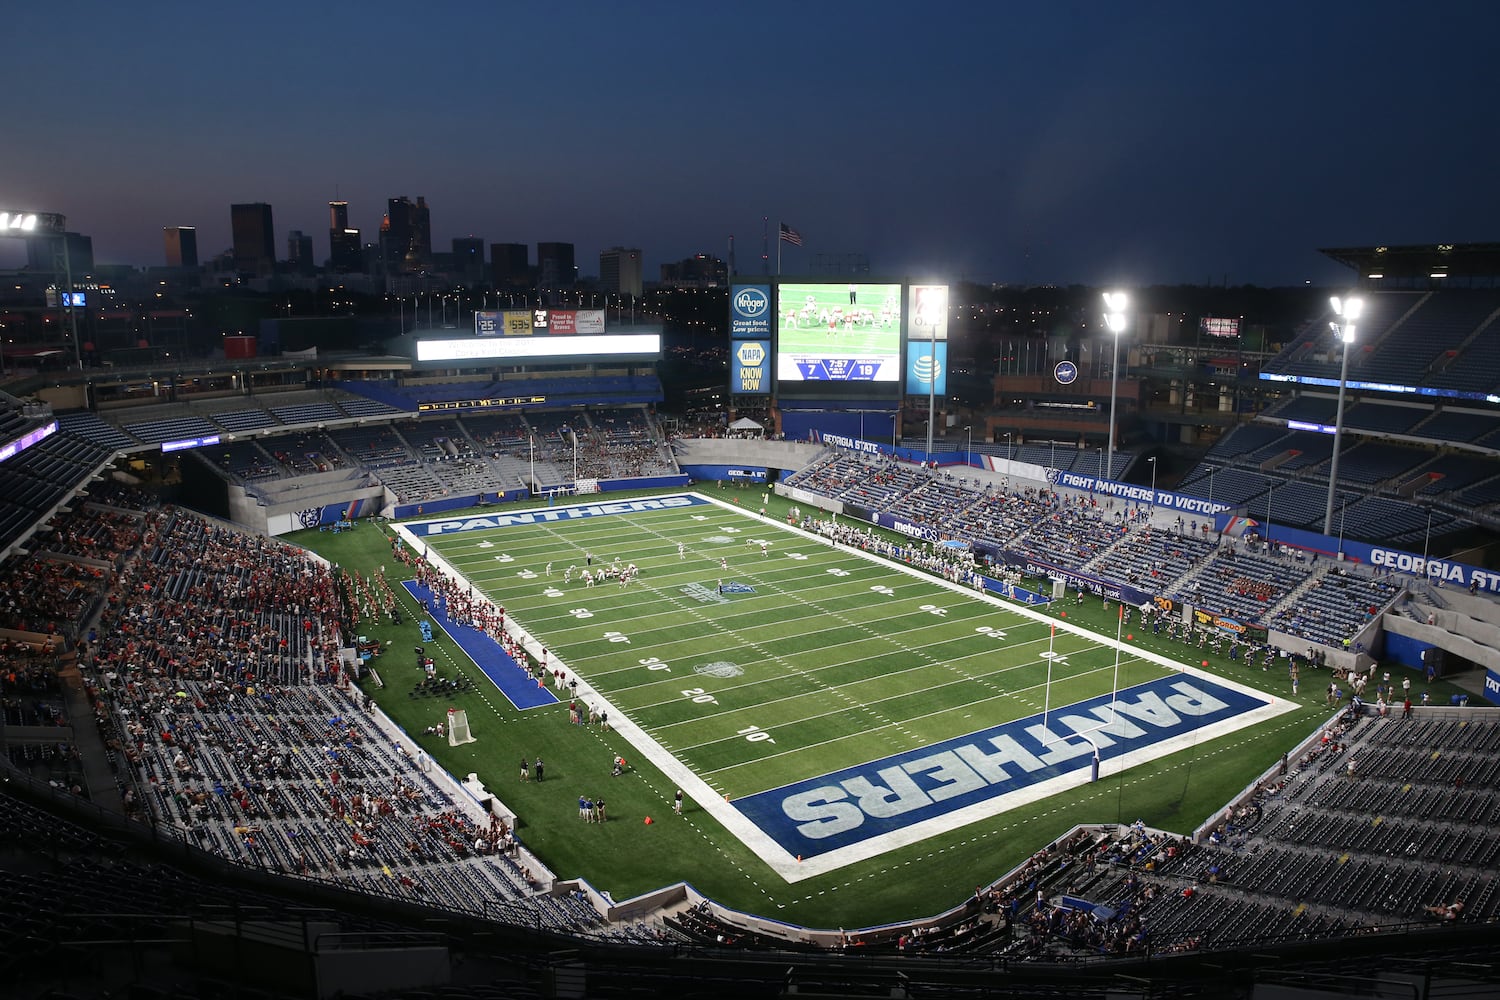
[927,368]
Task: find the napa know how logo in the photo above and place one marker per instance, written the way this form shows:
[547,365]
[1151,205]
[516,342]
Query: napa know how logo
[749,373]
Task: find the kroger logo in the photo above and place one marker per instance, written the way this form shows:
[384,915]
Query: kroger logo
[751,302]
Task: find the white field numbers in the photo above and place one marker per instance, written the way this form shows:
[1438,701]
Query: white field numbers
[752,734]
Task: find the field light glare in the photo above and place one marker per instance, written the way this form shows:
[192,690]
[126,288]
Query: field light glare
[18,221]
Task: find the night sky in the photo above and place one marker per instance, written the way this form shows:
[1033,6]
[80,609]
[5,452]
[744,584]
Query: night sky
[1051,142]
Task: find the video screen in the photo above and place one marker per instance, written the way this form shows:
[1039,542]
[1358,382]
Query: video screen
[845,332]
[1214,326]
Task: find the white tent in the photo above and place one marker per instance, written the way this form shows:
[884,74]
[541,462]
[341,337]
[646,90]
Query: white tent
[746,424]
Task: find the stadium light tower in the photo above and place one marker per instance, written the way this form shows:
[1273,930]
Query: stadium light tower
[1349,310]
[1114,318]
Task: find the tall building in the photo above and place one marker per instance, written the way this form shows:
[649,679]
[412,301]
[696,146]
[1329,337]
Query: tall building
[344,254]
[509,270]
[254,239]
[620,271]
[555,270]
[181,243]
[468,259]
[406,236]
[699,271]
[299,252]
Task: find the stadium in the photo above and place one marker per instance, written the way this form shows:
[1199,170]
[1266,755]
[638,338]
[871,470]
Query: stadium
[1162,670]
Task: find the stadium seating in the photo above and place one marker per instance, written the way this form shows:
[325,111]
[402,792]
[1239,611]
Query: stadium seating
[1416,347]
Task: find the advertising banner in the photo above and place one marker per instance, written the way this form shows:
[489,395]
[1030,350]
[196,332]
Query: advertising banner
[588,321]
[929,312]
[750,312]
[562,321]
[1233,626]
[516,322]
[1140,494]
[509,322]
[926,368]
[750,364]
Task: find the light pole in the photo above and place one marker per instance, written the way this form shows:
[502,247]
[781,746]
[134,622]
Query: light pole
[1008,450]
[1152,460]
[1343,508]
[1426,544]
[1210,488]
[1350,310]
[931,399]
[1270,489]
[1114,319]
[968,444]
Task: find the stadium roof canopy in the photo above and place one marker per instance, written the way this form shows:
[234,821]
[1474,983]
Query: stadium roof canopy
[1422,262]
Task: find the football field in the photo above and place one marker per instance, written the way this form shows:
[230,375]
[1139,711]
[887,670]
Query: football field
[824,704]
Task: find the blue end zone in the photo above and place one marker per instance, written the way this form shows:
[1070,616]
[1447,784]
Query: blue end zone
[860,803]
[494,662]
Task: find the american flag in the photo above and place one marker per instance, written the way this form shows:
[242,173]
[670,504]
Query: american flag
[790,235]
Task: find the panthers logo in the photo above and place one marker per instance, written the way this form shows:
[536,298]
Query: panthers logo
[310,518]
[1052,476]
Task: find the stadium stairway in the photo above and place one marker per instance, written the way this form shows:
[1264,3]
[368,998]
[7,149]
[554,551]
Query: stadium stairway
[99,778]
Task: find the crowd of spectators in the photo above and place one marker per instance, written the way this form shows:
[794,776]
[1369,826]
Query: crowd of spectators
[214,678]
[1242,578]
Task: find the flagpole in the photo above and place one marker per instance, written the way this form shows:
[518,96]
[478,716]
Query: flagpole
[779,227]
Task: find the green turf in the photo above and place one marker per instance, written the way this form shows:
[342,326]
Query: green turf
[836,673]
[876,331]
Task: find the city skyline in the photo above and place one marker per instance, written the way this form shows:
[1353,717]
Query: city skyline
[1080,143]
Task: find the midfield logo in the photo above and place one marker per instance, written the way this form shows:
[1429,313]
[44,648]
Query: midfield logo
[703,595]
